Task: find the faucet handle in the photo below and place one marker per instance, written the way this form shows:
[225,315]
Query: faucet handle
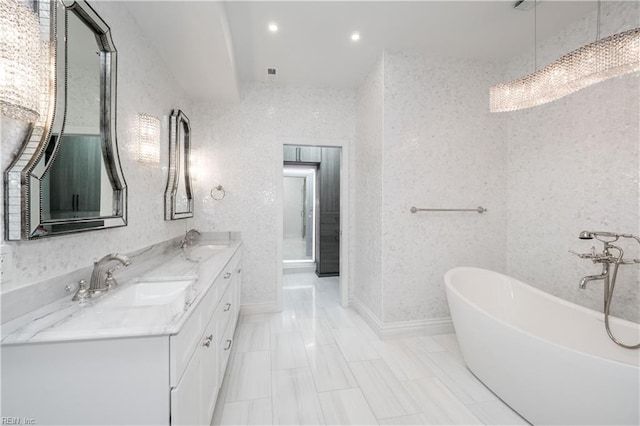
[109,281]
[82,294]
[591,255]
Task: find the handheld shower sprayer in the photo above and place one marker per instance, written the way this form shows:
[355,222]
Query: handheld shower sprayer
[590,235]
[610,264]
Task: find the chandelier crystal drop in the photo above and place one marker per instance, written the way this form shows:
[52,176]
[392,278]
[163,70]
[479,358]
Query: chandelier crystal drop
[609,57]
[21,62]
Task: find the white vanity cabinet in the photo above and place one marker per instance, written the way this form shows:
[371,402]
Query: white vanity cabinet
[162,379]
[199,365]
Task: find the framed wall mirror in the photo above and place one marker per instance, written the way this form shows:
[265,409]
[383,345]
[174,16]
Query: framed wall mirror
[178,198]
[68,177]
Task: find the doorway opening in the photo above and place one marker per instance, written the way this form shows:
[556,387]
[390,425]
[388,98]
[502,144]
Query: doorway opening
[311,232]
[299,217]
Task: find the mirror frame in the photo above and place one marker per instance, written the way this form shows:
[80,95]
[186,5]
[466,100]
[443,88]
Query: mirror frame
[23,197]
[178,126]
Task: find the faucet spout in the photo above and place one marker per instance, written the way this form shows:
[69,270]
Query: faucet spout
[101,277]
[189,236]
[585,280]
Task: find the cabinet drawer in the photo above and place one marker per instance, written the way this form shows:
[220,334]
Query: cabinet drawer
[330,218]
[183,344]
[224,312]
[226,277]
[225,347]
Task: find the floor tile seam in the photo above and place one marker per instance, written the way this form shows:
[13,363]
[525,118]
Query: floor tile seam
[339,389]
[472,398]
[415,403]
[475,404]
[361,392]
[317,398]
[273,408]
[340,346]
[445,388]
[315,384]
[303,349]
[346,362]
[246,400]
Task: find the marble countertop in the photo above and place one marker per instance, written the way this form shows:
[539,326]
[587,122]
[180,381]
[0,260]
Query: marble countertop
[65,320]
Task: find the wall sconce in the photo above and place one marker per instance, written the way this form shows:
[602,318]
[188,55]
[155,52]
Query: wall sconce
[21,54]
[148,139]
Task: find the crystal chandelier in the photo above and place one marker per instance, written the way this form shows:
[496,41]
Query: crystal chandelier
[606,58]
[21,62]
[148,140]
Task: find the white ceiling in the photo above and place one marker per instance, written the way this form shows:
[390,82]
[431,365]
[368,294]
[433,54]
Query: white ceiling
[210,46]
[193,39]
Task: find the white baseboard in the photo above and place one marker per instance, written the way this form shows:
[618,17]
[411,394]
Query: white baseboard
[259,308]
[298,269]
[399,329]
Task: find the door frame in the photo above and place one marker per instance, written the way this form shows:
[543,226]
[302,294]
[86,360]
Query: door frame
[345,218]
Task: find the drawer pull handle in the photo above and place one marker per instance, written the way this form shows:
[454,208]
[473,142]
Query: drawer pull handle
[227,307]
[229,343]
[227,275]
[207,340]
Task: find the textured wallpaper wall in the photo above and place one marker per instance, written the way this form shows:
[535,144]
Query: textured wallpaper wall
[426,139]
[442,149]
[368,192]
[573,165]
[144,85]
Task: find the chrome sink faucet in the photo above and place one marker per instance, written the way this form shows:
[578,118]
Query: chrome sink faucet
[102,277]
[189,237]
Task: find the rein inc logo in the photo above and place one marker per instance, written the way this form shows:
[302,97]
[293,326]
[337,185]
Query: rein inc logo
[17,421]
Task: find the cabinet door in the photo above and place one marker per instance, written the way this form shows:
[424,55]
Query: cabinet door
[186,398]
[302,154]
[309,154]
[329,180]
[290,153]
[209,371]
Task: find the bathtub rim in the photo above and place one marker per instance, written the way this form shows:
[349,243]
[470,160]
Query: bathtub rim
[450,287]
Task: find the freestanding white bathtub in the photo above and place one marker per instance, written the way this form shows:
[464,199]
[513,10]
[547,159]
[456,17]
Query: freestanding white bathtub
[548,359]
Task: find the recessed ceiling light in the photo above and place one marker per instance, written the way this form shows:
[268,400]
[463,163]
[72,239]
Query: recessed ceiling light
[273,27]
[355,36]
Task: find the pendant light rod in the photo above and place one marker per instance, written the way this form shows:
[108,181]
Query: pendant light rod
[535,35]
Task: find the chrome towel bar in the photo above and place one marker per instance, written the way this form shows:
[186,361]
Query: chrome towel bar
[478,210]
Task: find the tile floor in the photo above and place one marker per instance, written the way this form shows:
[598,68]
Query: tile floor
[317,363]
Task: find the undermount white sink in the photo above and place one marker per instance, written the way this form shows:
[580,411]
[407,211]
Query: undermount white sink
[204,251]
[170,295]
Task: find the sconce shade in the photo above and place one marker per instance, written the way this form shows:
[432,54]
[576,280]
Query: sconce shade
[21,62]
[148,141]
[609,57]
